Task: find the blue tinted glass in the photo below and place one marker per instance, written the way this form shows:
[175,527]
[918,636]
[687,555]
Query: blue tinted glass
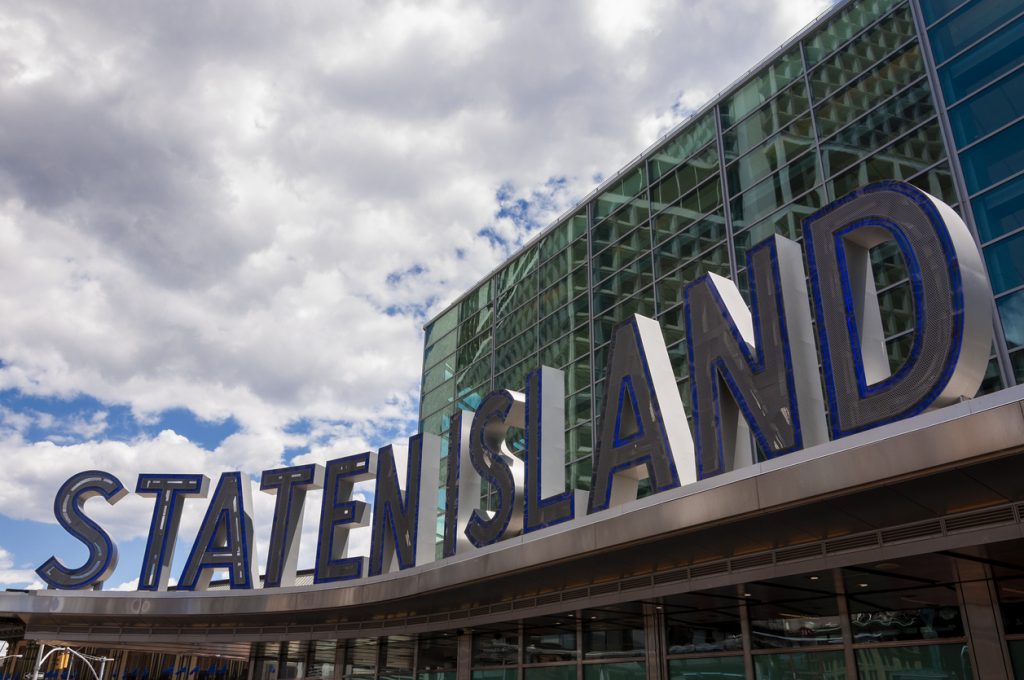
[924,661]
[989,110]
[1000,211]
[994,159]
[1005,261]
[936,9]
[1011,312]
[981,65]
[968,24]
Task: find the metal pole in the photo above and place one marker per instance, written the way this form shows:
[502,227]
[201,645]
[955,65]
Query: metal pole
[39,661]
[103,667]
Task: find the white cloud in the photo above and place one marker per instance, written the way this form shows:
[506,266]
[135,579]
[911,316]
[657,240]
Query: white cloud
[17,578]
[202,208]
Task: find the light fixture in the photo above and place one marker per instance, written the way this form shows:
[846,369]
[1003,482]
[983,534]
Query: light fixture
[746,594]
[814,578]
[862,585]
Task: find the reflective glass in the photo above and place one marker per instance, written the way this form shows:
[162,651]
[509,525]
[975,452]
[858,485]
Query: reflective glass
[685,178]
[903,159]
[474,350]
[868,91]
[784,70]
[670,288]
[797,611]
[495,674]
[708,668]
[475,300]
[989,110]
[563,234]
[642,304]
[777,113]
[800,666]
[439,398]
[577,409]
[435,376]
[618,225]
[550,673]
[936,9]
[923,661]
[579,443]
[879,127]
[1011,312]
[1017,657]
[981,65]
[549,640]
[479,322]
[474,376]
[689,243]
[702,623]
[858,56]
[439,350]
[624,189]
[522,346]
[968,24]
[623,284]
[1001,210]
[786,222]
[844,26]
[361,656]
[994,159]
[621,253]
[613,632]
[628,670]
[682,145]
[775,191]
[518,321]
[437,328]
[771,155]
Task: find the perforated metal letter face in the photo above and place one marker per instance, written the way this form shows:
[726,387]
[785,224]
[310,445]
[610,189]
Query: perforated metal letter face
[547,502]
[170,492]
[290,486]
[403,529]
[494,462]
[462,485]
[68,507]
[338,514]
[757,372]
[643,431]
[952,305]
[225,538]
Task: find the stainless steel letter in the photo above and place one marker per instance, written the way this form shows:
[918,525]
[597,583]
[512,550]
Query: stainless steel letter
[462,486]
[547,501]
[493,461]
[759,372]
[642,431]
[952,305]
[403,530]
[170,492]
[338,514]
[68,507]
[290,486]
[225,538]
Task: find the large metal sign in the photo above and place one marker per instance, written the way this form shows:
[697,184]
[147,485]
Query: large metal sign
[756,391]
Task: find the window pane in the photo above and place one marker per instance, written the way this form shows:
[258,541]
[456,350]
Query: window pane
[802,666]
[968,24]
[687,141]
[903,159]
[1001,210]
[689,243]
[775,191]
[618,225]
[620,192]
[613,632]
[498,647]
[775,114]
[780,73]
[714,668]
[439,350]
[550,673]
[495,674]
[699,623]
[771,155]
[440,326]
[931,661]
[631,670]
[550,639]
[994,159]
[936,9]
[798,611]
[844,26]
[1011,312]
[989,110]
[685,178]
[983,64]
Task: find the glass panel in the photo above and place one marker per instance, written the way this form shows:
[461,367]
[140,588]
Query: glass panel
[1011,312]
[844,26]
[627,282]
[713,668]
[768,157]
[869,90]
[1017,657]
[495,674]
[685,178]
[439,350]
[969,24]
[437,651]
[925,661]
[630,670]
[475,350]
[786,222]
[624,251]
[981,65]
[361,656]
[797,611]
[1005,260]
[775,114]
[550,673]
[689,208]
[903,159]
[994,159]
[437,375]
[699,623]
[891,120]
[686,141]
[642,304]
[497,647]
[440,326]
[1001,210]
[613,632]
[800,666]
[477,323]
[396,657]
[989,110]
[761,87]
[475,300]
[512,352]
[619,193]
[775,191]
[858,56]
[439,398]
[689,243]
[670,288]
[550,639]
[936,9]
[618,225]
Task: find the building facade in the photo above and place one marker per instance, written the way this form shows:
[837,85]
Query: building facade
[896,553]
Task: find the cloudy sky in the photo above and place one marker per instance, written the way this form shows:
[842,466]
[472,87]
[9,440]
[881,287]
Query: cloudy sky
[223,225]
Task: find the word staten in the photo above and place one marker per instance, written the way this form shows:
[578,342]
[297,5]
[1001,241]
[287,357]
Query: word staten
[754,381]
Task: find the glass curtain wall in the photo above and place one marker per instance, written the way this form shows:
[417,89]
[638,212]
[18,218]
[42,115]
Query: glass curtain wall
[848,104]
